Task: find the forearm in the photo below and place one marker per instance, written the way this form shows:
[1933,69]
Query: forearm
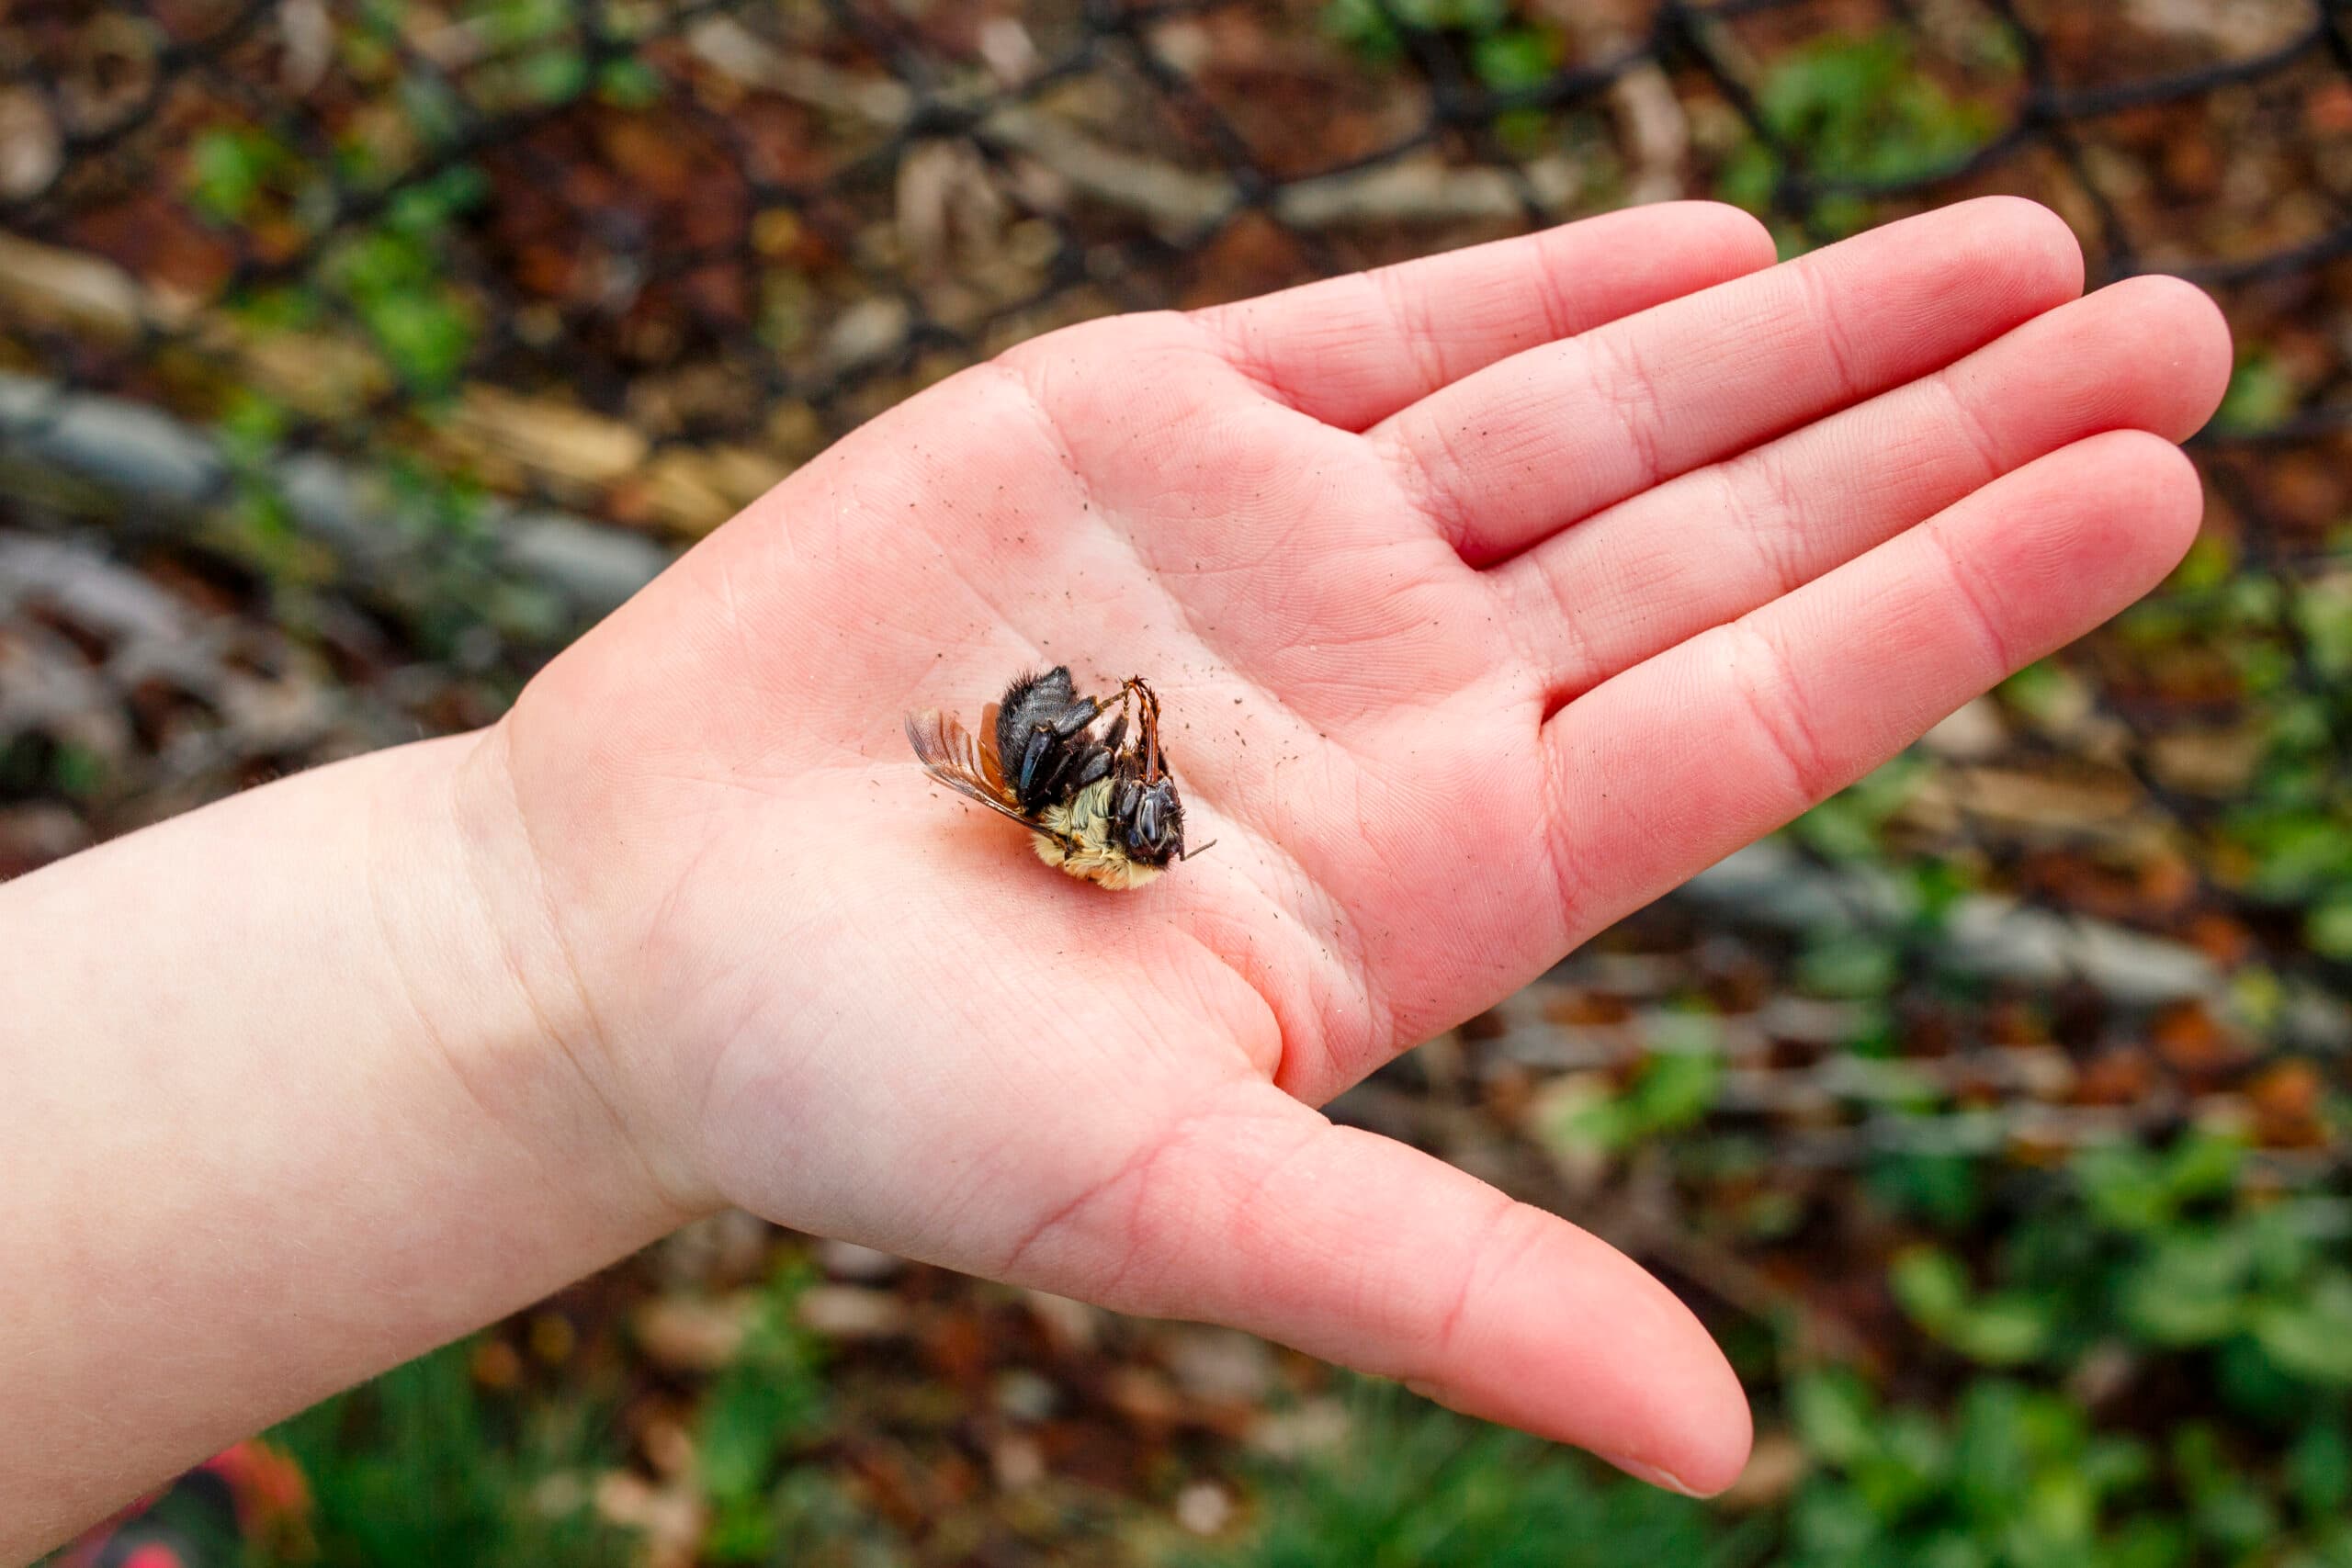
[283,1103]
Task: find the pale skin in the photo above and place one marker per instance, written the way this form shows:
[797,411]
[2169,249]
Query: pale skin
[1489,597]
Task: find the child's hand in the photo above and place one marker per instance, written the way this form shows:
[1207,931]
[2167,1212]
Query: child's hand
[1489,598]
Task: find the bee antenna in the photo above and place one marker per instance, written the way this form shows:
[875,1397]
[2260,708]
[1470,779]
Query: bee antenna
[1202,850]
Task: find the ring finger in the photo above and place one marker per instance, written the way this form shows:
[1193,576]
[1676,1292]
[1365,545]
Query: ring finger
[2152,353]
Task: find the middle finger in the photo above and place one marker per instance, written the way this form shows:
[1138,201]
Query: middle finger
[1511,453]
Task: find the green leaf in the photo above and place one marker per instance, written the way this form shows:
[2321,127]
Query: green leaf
[2328,928]
[512,22]
[2004,1330]
[2319,1469]
[2191,1289]
[228,169]
[1515,58]
[1411,1487]
[1848,825]
[2237,1517]
[1358,24]
[2042,691]
[1834,1415]
[1850,966]
[78,772]
[2204,1164]
[423,210]
[767,1399]
[2260,395]
[2000,1330]
[2134,1190]
[628,83]
[2210,563]
[253,423]
[1991,1457]
[1582,1116]
[2150,1542]
[1856,107]
[2310,1336]
[435,113]
[427,338]
[1931,1285]
[1945,1191]
[1675,1089]
[554,75]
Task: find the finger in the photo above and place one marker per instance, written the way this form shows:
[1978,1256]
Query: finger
[1259,1213]
[2152,353]
[1663,769]
[1507,457]
[1351,351]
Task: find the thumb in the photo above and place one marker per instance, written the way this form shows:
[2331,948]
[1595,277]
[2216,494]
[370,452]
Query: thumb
[1257,1212]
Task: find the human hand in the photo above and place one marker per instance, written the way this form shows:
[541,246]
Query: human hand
[1488,597]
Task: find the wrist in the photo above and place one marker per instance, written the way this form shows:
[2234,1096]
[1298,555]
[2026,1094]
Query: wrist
[484,947]
[294,1094]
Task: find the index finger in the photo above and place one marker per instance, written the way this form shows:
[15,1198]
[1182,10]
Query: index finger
[1351,351]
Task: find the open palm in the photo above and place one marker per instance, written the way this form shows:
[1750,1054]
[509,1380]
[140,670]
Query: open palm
[1489,598]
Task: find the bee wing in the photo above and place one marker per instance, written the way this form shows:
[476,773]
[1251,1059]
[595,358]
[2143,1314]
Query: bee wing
[949,754]
[991,763]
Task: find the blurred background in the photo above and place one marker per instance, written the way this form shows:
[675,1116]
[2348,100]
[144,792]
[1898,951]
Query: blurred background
[355,353]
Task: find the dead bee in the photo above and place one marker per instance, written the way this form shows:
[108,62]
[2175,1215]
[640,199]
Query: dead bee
[1101,806]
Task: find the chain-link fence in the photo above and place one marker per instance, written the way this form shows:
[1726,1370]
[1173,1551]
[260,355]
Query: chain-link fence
[352,351]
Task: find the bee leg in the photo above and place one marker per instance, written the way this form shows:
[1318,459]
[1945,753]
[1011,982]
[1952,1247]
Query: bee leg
[1046,736]
[1098,766]
[1056,767]
[1116,733]
[1041,741]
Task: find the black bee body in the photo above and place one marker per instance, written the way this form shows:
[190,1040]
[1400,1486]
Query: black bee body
[1041,739]
[1101,809]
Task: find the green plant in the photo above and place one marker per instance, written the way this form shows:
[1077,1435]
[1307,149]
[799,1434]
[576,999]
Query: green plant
[35,764]
[391,276]
[1413,1487]
[1997,1329]
[2013,1478]
[1673,1088]
[2163,1249]
[768,1400]
[2261,395]
[1851,824]
[1857,109]
[231,168]
[1505,51]
[420,1467]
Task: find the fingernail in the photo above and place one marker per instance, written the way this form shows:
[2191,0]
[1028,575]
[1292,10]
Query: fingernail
[1666,1480]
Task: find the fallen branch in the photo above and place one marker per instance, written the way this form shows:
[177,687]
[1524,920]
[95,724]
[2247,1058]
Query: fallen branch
[1993,938]
[138,452]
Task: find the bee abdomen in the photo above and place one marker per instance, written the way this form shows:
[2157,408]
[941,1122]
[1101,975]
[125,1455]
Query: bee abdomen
[1078,839]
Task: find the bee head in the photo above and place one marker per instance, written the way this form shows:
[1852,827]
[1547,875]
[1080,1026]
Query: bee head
[1152,828]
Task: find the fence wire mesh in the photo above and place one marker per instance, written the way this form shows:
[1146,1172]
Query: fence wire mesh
[352,351]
